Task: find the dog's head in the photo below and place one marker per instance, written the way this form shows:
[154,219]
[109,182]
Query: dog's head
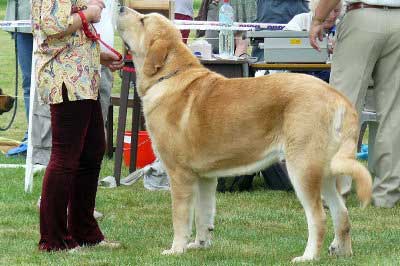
[6,102]
[149,37]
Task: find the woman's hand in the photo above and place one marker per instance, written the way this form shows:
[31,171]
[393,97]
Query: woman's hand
[316,31]
[111,61]
[99,3]
[93,11]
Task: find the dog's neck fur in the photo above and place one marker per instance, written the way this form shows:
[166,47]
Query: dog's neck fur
[174,58]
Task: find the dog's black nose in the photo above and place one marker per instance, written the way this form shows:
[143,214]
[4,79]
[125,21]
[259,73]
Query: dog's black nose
[121,9]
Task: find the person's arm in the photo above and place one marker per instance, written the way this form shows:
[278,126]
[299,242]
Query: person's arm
[111,61]
[92,14]
[61,22]
[321,13]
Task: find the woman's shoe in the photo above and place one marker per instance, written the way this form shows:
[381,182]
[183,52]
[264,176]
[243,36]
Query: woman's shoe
[97,215]
[74,250]
[109,244]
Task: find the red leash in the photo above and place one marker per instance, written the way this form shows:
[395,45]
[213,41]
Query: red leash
[95,36]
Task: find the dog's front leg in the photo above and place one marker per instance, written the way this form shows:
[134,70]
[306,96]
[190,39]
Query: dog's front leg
[204,212]
[182,202]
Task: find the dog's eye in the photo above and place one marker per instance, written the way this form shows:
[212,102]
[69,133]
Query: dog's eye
[142,21]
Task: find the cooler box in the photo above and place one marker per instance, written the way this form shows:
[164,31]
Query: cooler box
[292,47]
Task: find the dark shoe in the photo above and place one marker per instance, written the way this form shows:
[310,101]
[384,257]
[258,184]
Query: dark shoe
[221,185]
[245,183]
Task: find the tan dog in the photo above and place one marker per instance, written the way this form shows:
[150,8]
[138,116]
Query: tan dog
[6,102]
[205,126]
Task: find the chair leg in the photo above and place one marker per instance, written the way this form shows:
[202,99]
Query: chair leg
[135,130]
[121,125]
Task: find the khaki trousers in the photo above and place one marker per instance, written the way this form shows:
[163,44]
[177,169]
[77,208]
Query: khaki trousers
[106,84]
[368,46]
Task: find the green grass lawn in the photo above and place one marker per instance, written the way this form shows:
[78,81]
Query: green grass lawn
[259,228]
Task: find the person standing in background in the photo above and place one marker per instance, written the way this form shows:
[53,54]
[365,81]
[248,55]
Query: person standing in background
[368,46]
[302,22]
[106,30]
[24,39]
[184,11]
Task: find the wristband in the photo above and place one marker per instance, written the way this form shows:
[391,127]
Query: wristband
[75,9]
[318,20]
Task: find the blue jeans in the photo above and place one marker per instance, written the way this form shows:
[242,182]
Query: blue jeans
[24,54]
[24,46]
[321,74]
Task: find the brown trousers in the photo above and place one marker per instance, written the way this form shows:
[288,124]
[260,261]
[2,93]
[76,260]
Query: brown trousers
[70,181]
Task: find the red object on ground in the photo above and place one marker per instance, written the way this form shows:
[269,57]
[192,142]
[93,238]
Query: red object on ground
[145,154]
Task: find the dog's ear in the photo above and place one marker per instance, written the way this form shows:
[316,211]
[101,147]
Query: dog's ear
[155,57]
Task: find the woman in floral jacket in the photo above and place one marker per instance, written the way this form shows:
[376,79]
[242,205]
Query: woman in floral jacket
[67,76]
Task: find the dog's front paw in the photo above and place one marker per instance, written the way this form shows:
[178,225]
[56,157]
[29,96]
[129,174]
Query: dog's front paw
[199,244]
[303,258]
[173,251]
[336,250]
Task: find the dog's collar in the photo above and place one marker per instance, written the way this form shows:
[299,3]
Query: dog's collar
[170,75]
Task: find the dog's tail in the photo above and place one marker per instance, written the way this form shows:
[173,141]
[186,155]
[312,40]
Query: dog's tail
[344,163]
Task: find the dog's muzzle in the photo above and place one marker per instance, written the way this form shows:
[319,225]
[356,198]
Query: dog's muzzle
[6,103]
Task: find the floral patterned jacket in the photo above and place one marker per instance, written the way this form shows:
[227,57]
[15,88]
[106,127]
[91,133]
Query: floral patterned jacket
[73,60]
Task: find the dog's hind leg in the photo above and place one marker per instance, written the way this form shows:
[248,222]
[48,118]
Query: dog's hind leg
[306,179]
[182,192]
[341,245]
[204,212]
